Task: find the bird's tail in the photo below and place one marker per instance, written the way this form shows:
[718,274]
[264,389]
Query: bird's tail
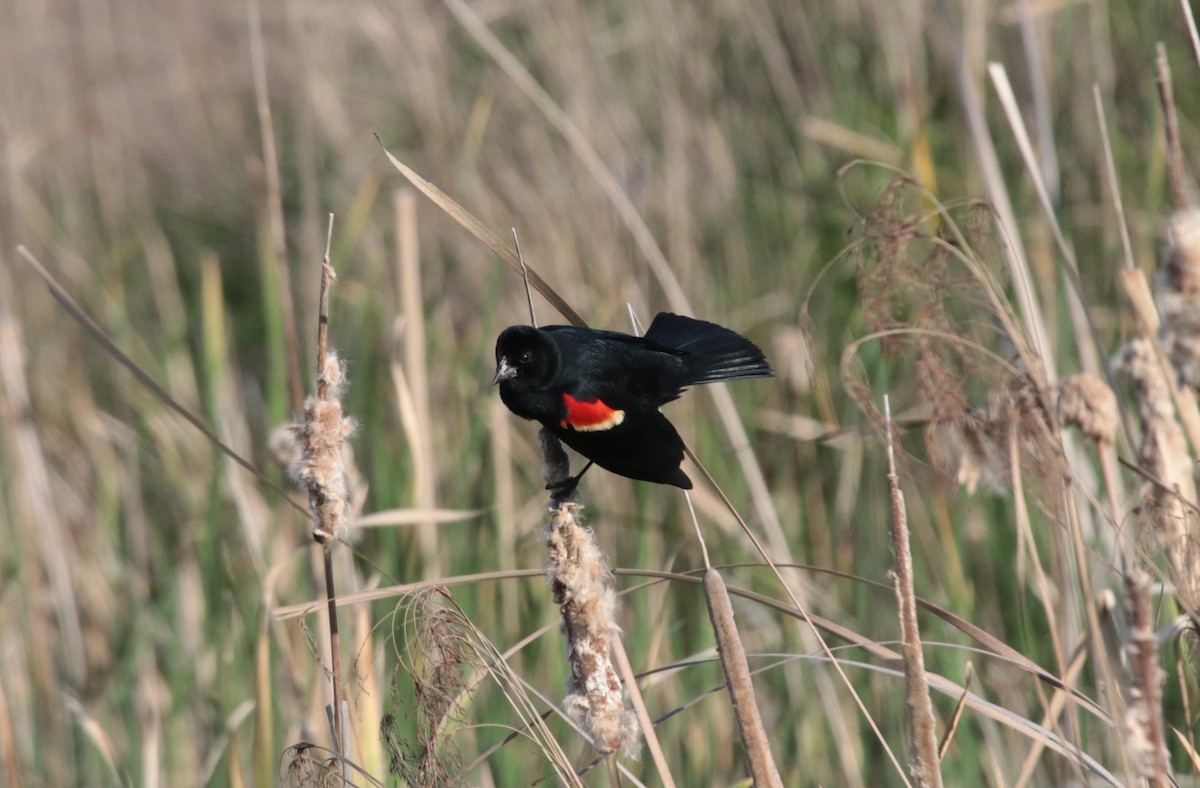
[713,352]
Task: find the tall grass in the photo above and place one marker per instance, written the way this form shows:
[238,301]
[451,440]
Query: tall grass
[173,164]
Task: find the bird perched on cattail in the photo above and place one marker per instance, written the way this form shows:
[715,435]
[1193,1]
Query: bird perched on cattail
[600,392]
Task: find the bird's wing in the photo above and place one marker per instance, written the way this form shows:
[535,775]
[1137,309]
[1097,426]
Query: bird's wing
[603,335]
[623,434]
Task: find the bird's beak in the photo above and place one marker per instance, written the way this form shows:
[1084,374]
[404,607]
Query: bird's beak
[504,371]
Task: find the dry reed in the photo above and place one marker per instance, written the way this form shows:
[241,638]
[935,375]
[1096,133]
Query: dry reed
[924,763]
[321,468]
[1143,715]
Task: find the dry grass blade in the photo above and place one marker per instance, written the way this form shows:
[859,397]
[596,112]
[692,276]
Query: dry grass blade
[96,733]
[64,298]
[264,750]
[956,717]
[1113,186]
[1188,747]
[1040,735]
[486,236]
[989,161]
[1193,36]
[580,145]
[1176,172]
[639,707]
[1053,710]
[517,693]
[289,612]
[989,642]
[1085,327]
[274,197]
[413,516]
[412,311]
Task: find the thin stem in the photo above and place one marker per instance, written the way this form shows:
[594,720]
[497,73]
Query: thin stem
[325,536]
[327,276]
[1166,95]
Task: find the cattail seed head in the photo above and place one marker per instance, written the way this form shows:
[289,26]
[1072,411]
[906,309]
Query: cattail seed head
[1087,403]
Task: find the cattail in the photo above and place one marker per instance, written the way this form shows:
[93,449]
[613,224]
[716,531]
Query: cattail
[1163,454]
[321,467]
[582,587]
[1143,714]
[1178,296]
[1087,403]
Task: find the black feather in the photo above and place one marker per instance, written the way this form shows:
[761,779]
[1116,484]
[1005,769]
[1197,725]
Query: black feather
[713,352]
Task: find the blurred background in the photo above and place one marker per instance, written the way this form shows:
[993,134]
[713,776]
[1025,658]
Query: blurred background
[174,164]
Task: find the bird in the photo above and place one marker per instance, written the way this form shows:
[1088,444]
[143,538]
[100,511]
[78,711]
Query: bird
[600,392]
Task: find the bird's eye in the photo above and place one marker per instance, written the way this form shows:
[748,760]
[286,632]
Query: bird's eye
[525,357]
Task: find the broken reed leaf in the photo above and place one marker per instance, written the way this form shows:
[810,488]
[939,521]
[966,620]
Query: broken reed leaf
[486,236]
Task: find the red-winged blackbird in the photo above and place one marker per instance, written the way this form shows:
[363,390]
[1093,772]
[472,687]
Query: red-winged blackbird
[599,392]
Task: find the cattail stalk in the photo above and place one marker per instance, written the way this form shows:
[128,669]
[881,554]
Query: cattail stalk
[924,752]
[322,470]
[737,680]
[1143,716]
[582,587]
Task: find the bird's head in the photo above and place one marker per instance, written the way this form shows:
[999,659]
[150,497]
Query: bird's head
[526,354]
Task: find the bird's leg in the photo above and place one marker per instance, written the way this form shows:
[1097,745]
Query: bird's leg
[567,486]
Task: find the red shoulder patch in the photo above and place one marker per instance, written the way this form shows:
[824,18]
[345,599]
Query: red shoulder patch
[590,415]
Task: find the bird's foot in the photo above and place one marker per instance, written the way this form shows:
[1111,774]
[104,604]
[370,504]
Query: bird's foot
[561,490]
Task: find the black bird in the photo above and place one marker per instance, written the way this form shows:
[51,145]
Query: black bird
[599,392]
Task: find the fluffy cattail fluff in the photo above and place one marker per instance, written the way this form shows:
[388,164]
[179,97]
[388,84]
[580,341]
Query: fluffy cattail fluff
[1087,403]
[1178,296]
[582,587]
[1164,455]
[284,446]
[321,467]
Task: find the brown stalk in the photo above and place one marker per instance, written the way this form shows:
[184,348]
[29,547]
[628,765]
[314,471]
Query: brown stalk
[412,309]
[1143,717]
[736,668]
[322,470]
[643,714]
[924,751]
[275,203]
[1166,96]
[738,682]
